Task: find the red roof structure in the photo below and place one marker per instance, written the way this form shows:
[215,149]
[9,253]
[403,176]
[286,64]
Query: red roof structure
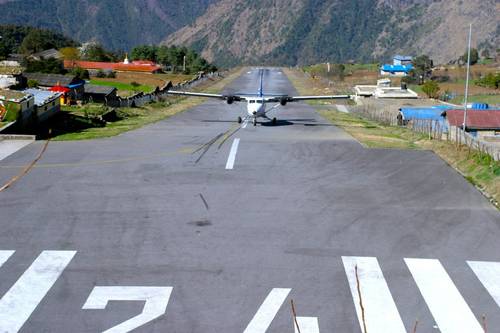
[60,89]
[142,66]
[476,119]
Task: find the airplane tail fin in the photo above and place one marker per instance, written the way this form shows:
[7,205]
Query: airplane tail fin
[261,91]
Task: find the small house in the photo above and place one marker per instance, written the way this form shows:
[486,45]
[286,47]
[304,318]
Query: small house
[11,77]
[47,54]
[480,123]
[395,70]
[431,113]
[16,106]
[47,103]
[47,81]
[99,94]
[65,93]
[400,60]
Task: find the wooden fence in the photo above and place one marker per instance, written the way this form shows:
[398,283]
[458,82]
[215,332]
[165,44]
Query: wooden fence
[159,94]
[433,129]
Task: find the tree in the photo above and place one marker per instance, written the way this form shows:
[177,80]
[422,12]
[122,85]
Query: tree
[95,52]
[80,73]
[431,89]
[4,50]
[144,52]
[474,57]
[70,53]
[422,67]
[32,83]
[49,66]
[35,41]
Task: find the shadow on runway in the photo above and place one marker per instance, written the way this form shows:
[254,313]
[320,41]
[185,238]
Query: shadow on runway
[279,122]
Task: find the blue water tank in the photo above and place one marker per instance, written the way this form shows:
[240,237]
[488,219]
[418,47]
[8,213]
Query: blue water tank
[480,106]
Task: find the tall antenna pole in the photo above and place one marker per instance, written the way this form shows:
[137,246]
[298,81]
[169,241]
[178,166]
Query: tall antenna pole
[467,79]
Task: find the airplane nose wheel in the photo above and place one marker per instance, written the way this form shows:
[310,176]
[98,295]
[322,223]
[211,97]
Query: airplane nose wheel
[255,121]
[239,120]
[274,121]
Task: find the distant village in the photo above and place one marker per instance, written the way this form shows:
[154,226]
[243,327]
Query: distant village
[31,98]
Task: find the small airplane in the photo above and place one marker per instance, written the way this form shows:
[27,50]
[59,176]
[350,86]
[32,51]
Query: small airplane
[256,103]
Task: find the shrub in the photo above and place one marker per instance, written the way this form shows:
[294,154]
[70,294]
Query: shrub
[32,83]
[111,75]
[431,89]
[100,74]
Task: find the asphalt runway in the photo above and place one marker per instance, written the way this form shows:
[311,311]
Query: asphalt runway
[195,224]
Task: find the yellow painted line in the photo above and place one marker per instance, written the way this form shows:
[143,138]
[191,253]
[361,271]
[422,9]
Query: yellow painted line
[103,162]
[26,169]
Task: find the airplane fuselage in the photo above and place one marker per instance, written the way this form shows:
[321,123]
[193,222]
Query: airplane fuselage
[256,107]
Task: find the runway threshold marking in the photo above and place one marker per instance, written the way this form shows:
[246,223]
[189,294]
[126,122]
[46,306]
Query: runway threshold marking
[19,302]
[307,325]
[267,311]
[4,256]
[380,312]
[489,275]
[449,309]
[232,154]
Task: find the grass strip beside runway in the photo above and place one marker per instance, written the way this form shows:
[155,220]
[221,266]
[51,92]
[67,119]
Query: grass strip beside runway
[133,118]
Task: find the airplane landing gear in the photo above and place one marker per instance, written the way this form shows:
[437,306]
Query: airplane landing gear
[274,121]
[255,121]
[239,120]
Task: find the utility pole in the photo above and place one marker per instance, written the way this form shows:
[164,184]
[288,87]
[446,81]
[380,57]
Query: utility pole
[467,79]
[184,64]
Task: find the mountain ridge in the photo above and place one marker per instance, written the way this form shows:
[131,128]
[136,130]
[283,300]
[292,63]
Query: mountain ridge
[274,32]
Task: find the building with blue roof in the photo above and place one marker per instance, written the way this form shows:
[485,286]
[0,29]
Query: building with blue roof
[402,60]
[395,70]
[401,66]
[435,113]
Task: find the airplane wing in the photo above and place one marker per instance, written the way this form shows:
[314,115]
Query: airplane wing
[229,98]
[286,99]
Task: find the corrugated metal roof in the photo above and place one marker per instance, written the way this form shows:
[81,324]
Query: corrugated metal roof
[50,80]
[13,95]
[430,112]
[42,96]
[397,68]
[403,58]
[101,90]
[476,119]
[136,66]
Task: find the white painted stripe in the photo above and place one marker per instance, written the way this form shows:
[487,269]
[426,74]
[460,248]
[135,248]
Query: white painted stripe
[245,123]
[307,325]
[156,301]
[19,302]
[9,147]
[267,311]
[342,108]
[489,275]
[232,154]
[4,256]
[381,313]
[449,309]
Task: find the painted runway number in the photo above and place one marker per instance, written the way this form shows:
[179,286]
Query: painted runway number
[364,276]
[156,301]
